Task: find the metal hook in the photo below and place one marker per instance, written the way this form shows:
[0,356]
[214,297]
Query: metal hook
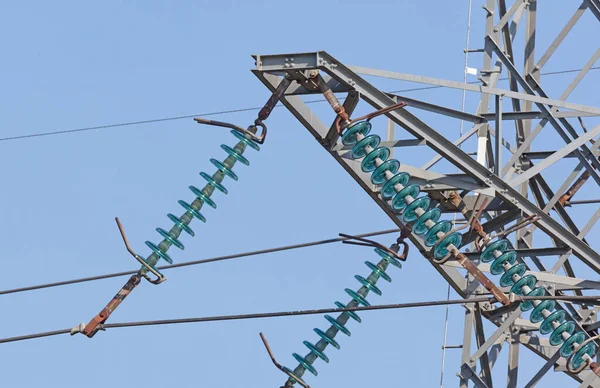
[279,366]
[368,117]
[159,277]
[588,362]
[260,139]
[370,243]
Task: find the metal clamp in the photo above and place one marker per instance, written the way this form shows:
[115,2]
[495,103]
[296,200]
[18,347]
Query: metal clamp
[392,251]
[249,133]
[159,276]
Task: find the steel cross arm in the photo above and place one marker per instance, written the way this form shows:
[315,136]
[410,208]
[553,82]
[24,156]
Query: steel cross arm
[460,159]
[584,149]
[316,127]
[472,88]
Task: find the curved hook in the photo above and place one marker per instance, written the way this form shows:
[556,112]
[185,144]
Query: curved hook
[393,250]
[585,364]
[279,366]
[159,277]
[246,132]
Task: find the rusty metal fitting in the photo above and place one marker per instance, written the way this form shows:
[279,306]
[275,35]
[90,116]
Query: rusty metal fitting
[480,276]
[335,104]
[275,98]
[250,132]
[95,324]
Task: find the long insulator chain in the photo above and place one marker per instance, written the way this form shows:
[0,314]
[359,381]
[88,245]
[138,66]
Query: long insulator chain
[402,198]
[337,325]
[553,322]
[192,210]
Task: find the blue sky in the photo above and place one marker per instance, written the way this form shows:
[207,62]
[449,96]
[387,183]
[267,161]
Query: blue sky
[77,64]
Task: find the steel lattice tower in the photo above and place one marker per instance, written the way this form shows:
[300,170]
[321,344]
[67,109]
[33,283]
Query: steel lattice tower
[502,157]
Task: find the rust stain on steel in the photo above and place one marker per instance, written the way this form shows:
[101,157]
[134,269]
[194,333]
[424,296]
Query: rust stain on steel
[331,98]
[274,99]
[92,327]
[480,276]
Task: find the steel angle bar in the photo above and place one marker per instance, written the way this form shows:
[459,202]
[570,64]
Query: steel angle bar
[472,375]
[580,75]
[532,115]
[494,352]
[588,226]
[484,361]
[543,370]
[513,361]
[561,36]
[473,88]
[555,157]
[518,4]
[591,380]
[502,328]
[467,338]
[457,142]
[581,154]
[457,114]
[531,136]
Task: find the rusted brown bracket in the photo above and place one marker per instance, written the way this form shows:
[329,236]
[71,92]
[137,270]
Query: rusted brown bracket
[96,323]
[481,278]
[382,111]
[340,126]
[463,260]
[279,366]
[475,225]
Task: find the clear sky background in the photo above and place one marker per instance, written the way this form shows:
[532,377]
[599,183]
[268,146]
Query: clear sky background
[77,64]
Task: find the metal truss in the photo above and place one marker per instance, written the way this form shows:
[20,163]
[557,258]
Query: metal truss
[517,187]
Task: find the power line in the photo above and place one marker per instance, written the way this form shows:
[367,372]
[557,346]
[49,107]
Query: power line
[196,262]
[130,123]
[565,298]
